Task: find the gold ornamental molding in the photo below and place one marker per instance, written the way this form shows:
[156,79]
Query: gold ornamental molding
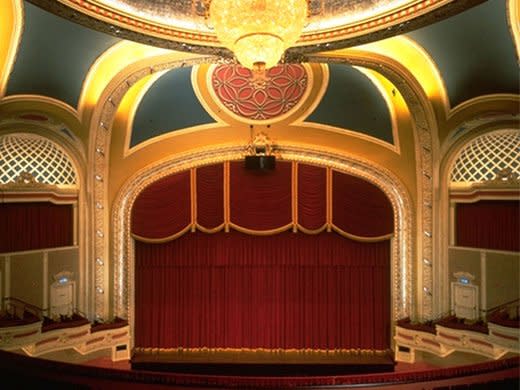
[504,186]
[10,37]
[99,147]
[25,187]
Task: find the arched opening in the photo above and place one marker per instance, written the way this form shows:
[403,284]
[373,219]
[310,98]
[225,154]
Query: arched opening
[39,191]
[484,234]
[398,268]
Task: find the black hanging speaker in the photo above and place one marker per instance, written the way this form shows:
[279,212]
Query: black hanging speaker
[260,163]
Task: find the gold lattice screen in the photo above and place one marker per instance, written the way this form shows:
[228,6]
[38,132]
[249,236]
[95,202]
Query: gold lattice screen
[45,160]
[482,158]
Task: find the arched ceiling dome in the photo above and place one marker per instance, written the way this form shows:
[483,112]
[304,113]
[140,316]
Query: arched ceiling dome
[183,24]
[67,53]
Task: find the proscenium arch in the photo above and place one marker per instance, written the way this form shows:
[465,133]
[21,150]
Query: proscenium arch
[401,248]
[426,146]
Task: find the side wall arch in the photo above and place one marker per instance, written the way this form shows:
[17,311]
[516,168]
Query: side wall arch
[82,220]
[474,130]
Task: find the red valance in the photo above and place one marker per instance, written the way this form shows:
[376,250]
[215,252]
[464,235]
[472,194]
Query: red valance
[312,197]
[210,197]
[164,208]
[260,200]
[359,207]
[293,195]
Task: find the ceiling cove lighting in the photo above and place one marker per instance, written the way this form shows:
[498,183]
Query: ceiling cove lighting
[258,31]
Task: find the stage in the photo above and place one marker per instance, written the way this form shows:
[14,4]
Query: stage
[263,362]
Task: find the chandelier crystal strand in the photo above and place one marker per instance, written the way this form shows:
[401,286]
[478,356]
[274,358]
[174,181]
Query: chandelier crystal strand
[258,31]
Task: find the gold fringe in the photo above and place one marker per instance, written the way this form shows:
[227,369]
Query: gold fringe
[294,190]
[306,351]
[359,238]
[313,231]
[261,232]
[162,239]
[226,196]
[193,198]
[328,201]
[213,230]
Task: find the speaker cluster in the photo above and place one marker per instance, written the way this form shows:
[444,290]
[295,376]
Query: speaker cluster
[260,162]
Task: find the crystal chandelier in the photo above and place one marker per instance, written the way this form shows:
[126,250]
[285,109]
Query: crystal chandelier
[258,31]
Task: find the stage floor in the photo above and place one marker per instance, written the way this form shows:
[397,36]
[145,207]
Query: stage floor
[264,363]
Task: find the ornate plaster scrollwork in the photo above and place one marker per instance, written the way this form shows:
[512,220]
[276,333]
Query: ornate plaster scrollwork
[504,178]
[100,145]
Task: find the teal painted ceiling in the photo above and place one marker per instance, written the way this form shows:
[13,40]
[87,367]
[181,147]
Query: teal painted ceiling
[353,102]
[54,56]
[169,104]
[474,52]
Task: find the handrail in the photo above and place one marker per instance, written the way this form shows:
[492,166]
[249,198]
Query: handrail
[80,313]
[16,302]
[484,317]
[442,316]
[502,306]
[36,310]
[23,302]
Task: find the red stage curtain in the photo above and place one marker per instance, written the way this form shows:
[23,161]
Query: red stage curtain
[312,196]
[289,290]
[163,208]
[489,224]
[38,225]
[260,200]
[210,196]
[360,208]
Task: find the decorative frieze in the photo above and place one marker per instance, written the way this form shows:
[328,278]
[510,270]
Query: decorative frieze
[494,344]
[34,342]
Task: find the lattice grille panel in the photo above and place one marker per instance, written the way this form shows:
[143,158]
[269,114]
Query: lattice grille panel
[483,157]
[45,160]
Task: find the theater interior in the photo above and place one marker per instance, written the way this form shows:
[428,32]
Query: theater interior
[181,207]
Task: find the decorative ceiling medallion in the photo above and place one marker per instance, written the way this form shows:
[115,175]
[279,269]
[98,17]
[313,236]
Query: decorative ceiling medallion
[259,98]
